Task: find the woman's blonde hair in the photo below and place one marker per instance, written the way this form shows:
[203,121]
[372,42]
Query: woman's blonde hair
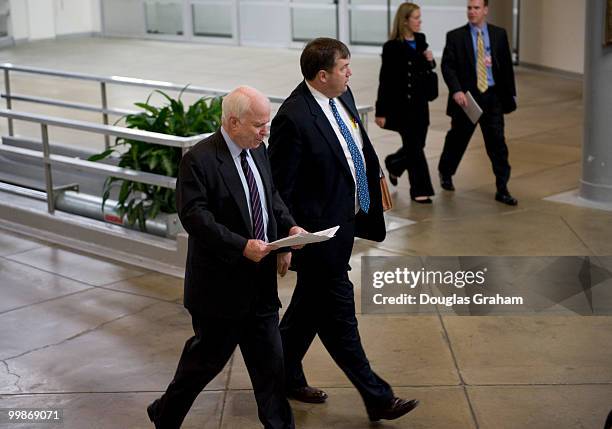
[403,13]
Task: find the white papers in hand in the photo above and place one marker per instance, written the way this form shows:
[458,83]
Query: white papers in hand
[472,110]
[305,238]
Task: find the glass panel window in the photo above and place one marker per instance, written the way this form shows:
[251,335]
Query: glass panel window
[369,22]
[164,17]
[212,19]
[313,18]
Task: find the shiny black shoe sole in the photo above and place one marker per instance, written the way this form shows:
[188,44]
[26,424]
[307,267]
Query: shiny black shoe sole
[375,416]
[506,199]
[307,399]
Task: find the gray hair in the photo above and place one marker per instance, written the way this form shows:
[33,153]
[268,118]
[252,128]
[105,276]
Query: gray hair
[238,102]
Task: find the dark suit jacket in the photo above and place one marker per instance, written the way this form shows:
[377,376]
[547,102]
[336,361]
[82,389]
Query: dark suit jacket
[459,66]
[212,206]
[314,179]
[401,89]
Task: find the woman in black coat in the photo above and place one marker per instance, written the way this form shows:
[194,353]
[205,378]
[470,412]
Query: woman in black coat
[402,104]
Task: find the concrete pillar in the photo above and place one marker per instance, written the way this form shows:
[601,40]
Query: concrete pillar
[596,182]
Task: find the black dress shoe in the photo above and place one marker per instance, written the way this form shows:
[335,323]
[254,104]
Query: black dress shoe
[398,408]
[422,201]
[310,395]
[506,198]
[392,179]
[447,183]
[152,412]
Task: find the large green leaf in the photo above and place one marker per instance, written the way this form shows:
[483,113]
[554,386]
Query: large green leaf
[154,110]
[167,164]
[124,193]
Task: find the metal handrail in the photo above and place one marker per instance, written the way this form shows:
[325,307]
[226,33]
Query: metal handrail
[107,130]
[67,104]
[124,80]
[111,130]
[363,110]
[103,169]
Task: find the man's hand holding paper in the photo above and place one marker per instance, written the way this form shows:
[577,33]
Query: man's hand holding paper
[460,99]
[298,238]
[472,109]
[302,238]
[297,230]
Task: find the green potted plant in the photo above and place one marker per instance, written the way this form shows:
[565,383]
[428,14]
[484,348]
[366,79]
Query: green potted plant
[139,201]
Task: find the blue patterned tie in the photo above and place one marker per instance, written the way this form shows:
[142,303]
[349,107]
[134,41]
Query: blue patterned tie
[362,182]
[256,213]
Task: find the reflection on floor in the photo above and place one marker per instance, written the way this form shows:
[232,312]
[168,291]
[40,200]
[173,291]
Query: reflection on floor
[101,340]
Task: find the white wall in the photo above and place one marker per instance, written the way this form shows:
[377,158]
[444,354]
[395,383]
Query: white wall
[552,34]
[41,19]
[46,19]
[74,16]
[267,23]
[96,16]
[20,28]
[437,21]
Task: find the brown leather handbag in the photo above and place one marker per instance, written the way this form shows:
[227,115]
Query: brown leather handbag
[387,202]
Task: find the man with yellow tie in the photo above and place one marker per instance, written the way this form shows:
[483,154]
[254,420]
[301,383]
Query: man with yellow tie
[477,59]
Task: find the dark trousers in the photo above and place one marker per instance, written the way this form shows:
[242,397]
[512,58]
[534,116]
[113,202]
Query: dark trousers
[411,157]
[206,353]
[492,127]
[326,306]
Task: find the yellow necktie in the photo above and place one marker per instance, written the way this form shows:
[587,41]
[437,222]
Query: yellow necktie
[483,83]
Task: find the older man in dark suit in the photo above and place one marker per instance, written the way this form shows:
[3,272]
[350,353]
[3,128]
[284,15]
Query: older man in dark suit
[327,172]
[228,204]
[477,59]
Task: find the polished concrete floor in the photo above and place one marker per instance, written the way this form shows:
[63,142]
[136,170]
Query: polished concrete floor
[101,340]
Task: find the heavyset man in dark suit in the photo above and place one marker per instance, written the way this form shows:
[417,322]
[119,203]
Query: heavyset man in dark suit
[477,59]
[228,204]
[327,172]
